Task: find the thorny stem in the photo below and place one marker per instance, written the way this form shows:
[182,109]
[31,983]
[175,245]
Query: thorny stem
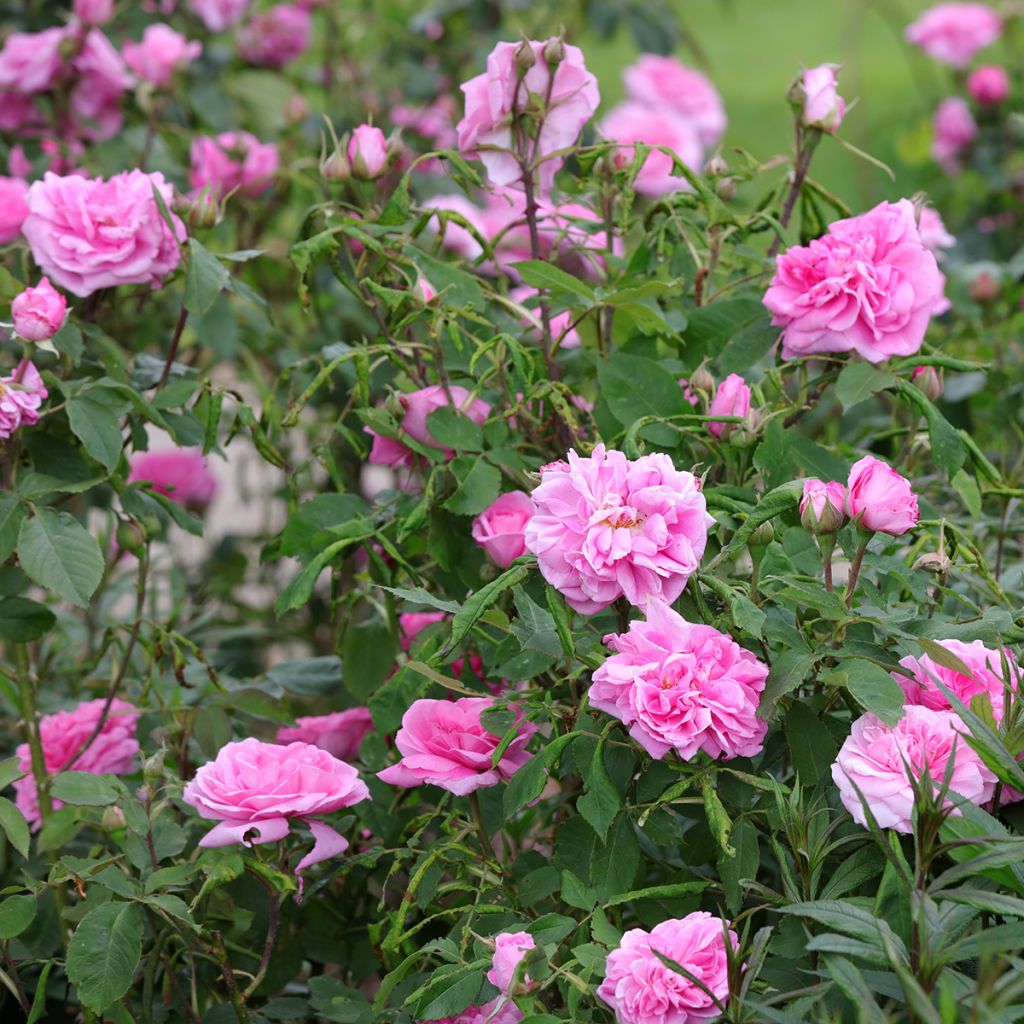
[221,956]
[172,352]
[805,144]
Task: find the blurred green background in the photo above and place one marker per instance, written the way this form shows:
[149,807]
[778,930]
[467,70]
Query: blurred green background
[753,49]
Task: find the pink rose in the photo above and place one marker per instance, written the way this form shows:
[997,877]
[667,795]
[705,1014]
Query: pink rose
[731,399]
[823,506]
[423,291]
[340,733]
[667,84]
[17,113]
[87,233]
[608,527]
[275,37]
[682,687]
[571,95]
[367,152]
[874,758]
[510,949]
[160,54]
[13,209]
[180,474]
[633,122]
[63,735]
[496,1011]
[218,15]
[934,235]
[989,85]
[879,499]
[39,312]
[500,529]
[254,790]
[444,743]
[102,79]
[954,33]
[986,677]
[411,624]
[93,12]
[230,162]
[824,108]
[31,61]
[953,131]
[868,286]
[642,989]
[20,397]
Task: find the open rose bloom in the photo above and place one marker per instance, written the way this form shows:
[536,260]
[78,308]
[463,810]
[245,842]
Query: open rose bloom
[954,32]
[340,733]
[180,474]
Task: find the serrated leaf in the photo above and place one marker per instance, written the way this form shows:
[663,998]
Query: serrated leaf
[601,801]
[23,620]
[95,419]
[543,275]
[205,278]
[858,381]
[58,553]
[874,689]
[84,789]
[104,953]
[15,827]
[16,914]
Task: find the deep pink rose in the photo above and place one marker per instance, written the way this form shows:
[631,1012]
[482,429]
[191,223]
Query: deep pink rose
[879,499]
[232,161]
[87,233]
[180,474]
[642,989]
[500,528]
[868,286]
[731,399]
[953,131]
[21,394]
[933,232]
[824,108]
[633,122]
[159,54]
[367,152]
[218,15]
[683,687]
[254,790]
[444,743]
[39,312]
[340,733]
[13,208]
[989,85]
[954,33]
[101,80]
[64,733]
[510,949]
[275,37]
[18,112]
[874,759]
[667,84]
[823,506]
[607,527]
[93,12]
[572,97]
[31,61]
[494,1012]
[986,677]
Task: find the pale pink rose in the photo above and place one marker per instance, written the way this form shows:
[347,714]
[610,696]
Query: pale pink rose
[21,394]
[63,734]
[642,989]
[879,499]
[608,527]
[101,80]
[824,108]
[218,15]
[160,54]
[510,949]
[500,529]
[39,312]
[411,624]
[93,12]
[682,687]
[254,790]
[232,161]
[731,399]
[87,233]
[987,677]
[989,85]
[572,97]
[494,1012]
[668,84]
[31,61]
[868,286]
[933,231]
[633,122]
[444,743]
[953,131]
[954,33]
[275,37]
[875,757]
[823,506]
[367,152]
[13,209]
[180,474]
[340,733]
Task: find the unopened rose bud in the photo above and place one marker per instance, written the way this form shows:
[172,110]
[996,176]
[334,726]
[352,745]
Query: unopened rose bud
[424,291]
[130,537]
[394,405]
[716,167]
[823,506]
[985,288]
[154,770]
[554,51]
[701,380]
[934,561]
[296,110]
[928,380]
[367,152]
[762,536]
[727,189]
[39,313]
[524,56]
[113,818]
[204,211]
[336,168]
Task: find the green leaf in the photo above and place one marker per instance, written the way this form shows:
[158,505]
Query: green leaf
[95,419]
[718,818]
[479,483]
[947,448]
[454,429]
[299,591]
[541,274]
[602,800]
[465,618]
[205,278]
[23,620]
[772,504]
[711,327]
[417,595]
[613,869]
[58,553]
[874,689]
[83,789]
[104,953]
[12,512]
[635,387]
[858,381]
[15,827]
[16,914]
[309,677]
[811,745]
[670,891]
[788,671]
[449,996]
[733,870]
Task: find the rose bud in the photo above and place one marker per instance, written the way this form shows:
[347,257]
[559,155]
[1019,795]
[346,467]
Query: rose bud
[879,499]
[928,380]
[988,85]
[39,312]
[93,12]
[554,51]
[368,152]
[500,529]
[524,56]
[823,107]
[731,399]
[822,507]
[424,290]
[336,168]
